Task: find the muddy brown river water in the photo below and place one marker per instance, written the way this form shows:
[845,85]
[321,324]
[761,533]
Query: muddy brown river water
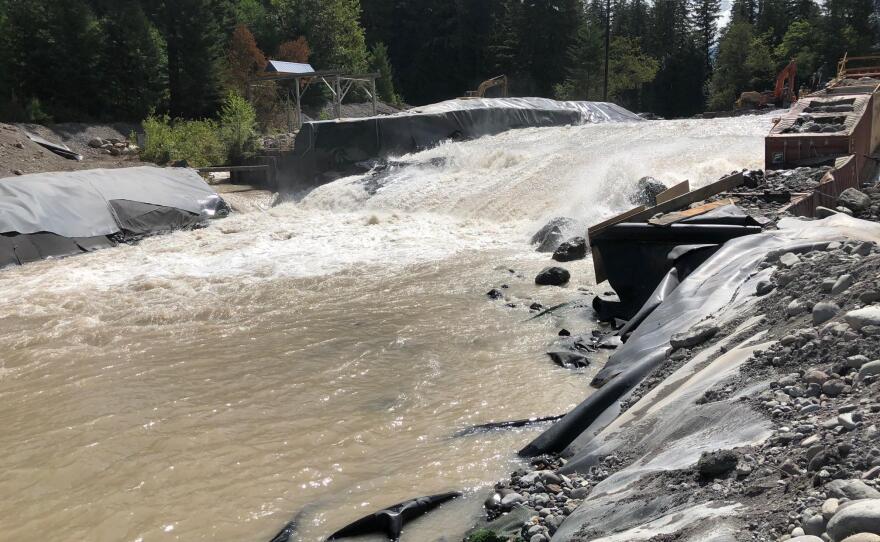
[317,356]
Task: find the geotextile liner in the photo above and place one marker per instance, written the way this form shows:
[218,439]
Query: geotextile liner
[61,214]
[335,148]
[668,427]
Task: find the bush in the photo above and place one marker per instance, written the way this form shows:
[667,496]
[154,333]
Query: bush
[195,141]
[238,127]
[484,535]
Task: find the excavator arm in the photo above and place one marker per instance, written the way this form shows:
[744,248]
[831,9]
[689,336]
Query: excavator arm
[786,84]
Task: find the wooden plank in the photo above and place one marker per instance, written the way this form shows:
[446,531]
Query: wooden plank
[677,216]
[731,181]
[678,190]
[614,220]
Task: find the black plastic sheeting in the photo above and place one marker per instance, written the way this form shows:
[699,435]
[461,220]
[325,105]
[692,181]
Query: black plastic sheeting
[326,150]
[638,256]
[725,279]
[55,215]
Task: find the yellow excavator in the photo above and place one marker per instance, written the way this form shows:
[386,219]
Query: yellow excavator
[500,81]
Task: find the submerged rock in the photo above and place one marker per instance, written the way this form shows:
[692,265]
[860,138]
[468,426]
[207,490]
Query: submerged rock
[553,276]
[571,250]
[569,359]
[646,192]
[550,236]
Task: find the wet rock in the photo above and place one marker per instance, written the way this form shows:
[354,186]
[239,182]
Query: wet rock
[868,316]
[512,499]
[718,463]
[571,250]
[646,192]
[824,311]
[854,199]
[549,237]
[96,143]
[569,360]
[553,276]
[493,502]
[693,337]
[858,517]
[495,293]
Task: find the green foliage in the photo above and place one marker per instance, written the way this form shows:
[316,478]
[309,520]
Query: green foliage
[732,75]
[799,43]
[380,64]
[238,127]
[485,535]
[195,141]
[630,68]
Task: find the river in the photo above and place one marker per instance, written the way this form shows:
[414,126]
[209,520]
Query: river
[317,356]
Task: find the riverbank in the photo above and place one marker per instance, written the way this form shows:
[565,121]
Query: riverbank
[764,428]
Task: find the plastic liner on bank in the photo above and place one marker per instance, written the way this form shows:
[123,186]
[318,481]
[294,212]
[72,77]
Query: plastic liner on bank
[326,150]
[61,214]
[667,428]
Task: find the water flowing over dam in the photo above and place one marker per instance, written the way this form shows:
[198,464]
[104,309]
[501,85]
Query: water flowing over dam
[318,355]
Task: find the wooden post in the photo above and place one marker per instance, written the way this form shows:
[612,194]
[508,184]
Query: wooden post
[373,90]
[299,114]
[338,97]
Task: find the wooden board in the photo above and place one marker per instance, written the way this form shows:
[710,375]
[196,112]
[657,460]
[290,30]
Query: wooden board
[678,216]
[678,190]
[614,220]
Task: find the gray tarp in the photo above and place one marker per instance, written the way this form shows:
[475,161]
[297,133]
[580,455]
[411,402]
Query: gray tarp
[77,203]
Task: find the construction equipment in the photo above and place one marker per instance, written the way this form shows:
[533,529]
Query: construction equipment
[783,95]
[500,81]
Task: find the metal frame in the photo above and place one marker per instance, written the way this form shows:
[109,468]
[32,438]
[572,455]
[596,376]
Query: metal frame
[339,83]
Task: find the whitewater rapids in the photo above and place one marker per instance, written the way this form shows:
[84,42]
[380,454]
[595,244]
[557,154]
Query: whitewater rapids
[318,355]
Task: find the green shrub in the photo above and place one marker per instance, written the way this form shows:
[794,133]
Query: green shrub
[159,137]
[203,143]
[195,141]
[238,127]
[484,535]
[198,142]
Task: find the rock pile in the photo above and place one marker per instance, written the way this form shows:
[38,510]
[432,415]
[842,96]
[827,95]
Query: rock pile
[551,496]
[114,146]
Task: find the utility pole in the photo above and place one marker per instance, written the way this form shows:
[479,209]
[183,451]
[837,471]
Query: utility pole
[607,46]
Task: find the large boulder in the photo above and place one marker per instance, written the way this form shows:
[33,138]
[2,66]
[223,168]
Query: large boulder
[571,250]
[861,516]
[551,235]
[553,276]
[854,199]
[646,192]
[867,316]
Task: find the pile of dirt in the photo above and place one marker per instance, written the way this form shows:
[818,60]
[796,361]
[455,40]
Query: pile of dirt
[20,156]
